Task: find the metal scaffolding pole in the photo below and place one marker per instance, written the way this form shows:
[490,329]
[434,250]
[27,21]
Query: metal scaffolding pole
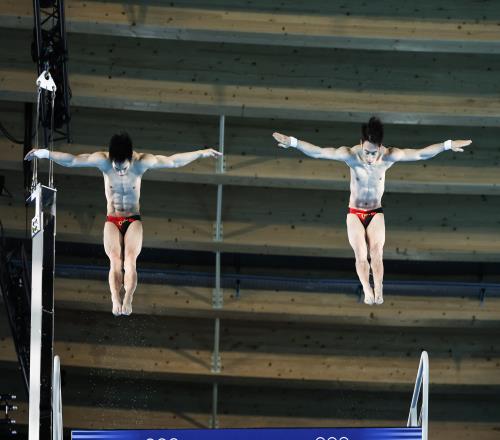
[43,230]
[217,295]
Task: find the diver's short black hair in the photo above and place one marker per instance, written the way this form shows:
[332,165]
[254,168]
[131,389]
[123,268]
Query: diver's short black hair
[120,147]
[373,131]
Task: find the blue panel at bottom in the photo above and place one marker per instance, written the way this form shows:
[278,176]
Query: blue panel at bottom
[254,434]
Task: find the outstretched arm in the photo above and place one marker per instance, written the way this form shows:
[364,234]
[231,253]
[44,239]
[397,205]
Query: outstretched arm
[341,153]
[410,154]
[157,161]
[97,160]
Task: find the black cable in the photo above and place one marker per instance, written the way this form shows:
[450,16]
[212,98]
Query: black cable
[11,138]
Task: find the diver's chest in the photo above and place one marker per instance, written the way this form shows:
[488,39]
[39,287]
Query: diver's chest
[371,173]
[124,184]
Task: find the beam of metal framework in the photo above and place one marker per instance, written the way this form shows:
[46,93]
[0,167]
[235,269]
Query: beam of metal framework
[43,229]
[50,52]
[15,285]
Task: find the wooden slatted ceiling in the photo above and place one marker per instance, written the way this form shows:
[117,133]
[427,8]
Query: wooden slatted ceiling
[114,394]
[315,25]
[98,389]
[108,390]
[179,97]
[118,406]
[333,308]
[266,89]
[352,357]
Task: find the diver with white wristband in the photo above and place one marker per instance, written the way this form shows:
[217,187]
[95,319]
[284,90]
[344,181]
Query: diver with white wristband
[368,162]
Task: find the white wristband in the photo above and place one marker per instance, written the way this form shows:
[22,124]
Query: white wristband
[447,144]
[42,153]
[293,142]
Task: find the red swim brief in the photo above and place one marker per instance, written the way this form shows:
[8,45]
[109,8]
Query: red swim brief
[365,215]
[122,223]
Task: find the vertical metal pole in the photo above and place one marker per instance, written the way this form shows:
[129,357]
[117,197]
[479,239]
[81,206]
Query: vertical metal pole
[222,129]
[216,361]
[42,314]
[214,424]
[218,296]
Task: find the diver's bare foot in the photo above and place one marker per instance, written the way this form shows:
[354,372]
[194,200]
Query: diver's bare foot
[379,296]
[369,298]
[127,305]
[117,306]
